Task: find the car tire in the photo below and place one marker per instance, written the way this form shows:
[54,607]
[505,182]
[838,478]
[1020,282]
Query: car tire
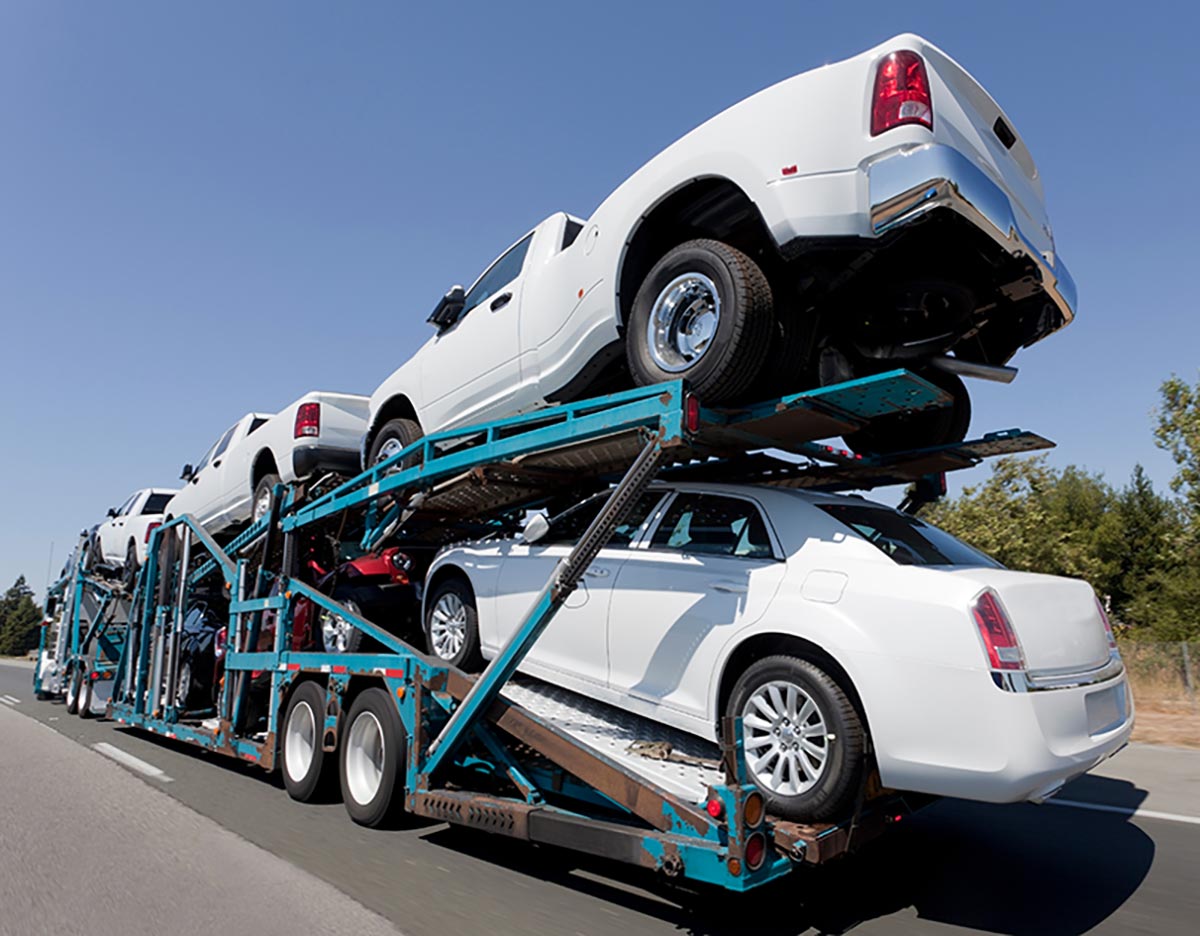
[809,774]
[74,684]
[355,638]
[85,697]
[129,573]
[452,625]
[260,501]
[373,752]
[923,429]
[308,771]
[719,342]
[183,686]
[394,435]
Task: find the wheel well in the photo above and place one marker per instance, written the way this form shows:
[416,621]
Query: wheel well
[397,407]
[763,645]
[439,576]
[264,464]
[710,207]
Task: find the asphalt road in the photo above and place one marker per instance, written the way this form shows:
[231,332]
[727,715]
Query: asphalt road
[1017,869]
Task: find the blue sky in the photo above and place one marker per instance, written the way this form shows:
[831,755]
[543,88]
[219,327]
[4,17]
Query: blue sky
[212,208]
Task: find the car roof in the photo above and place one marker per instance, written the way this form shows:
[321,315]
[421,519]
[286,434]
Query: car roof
[752,490]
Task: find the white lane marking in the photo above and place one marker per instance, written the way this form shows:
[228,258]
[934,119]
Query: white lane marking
[135,763]
[1126,811]
[11,698]
[5,701]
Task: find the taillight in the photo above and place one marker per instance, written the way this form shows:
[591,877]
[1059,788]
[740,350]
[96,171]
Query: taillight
[901,93]
[692,413]
[1112,639]
[150,529]
[308,420]
[756,851]
[999,638]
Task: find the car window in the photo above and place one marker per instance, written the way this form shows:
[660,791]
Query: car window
[906,539]
[218,449]
[567,527]
[499,274]
[127,506]
[714,525]
[156,503]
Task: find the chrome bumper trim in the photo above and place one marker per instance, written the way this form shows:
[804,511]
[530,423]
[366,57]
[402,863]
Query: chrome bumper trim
[1042,681]
[912,183]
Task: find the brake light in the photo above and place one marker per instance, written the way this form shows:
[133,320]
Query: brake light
[999,638]
[756,851]
[308,420]
[150,528]
[901,93]
[1112,639]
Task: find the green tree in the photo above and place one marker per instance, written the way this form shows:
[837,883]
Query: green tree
[1177,430]
[20,620]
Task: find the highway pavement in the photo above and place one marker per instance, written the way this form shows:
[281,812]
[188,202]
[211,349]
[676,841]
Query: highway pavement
[1119,853]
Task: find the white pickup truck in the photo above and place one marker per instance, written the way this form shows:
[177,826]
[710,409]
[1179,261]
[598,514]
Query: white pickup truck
[232,484]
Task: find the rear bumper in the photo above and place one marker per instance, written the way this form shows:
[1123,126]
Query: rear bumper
[319,458]
[912,183]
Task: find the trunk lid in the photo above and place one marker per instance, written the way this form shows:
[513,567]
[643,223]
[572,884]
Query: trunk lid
[1056,619]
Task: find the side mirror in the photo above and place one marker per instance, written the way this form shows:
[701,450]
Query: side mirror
[535,528]
[188,473]
[449,308]
[112,511]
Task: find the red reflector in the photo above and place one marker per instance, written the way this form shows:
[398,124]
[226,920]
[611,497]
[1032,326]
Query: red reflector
[95,676]
[999,639]
[789,170]
[715,808]
[756,851]
[308,420]
[150,529]
[901,93]
[692,414]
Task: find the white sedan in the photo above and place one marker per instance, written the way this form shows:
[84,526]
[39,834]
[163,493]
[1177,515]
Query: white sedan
[121,539]
[877,212]
[822,621]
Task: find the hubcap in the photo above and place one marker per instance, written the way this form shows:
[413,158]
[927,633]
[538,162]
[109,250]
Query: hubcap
[448,626]
[683,322]
[787,744]
[262,504]
[364,758]
[389,448]
[300,741]
[336,630]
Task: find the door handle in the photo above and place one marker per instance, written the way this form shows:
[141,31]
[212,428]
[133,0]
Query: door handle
[731,588]
[597,572]
[501,301]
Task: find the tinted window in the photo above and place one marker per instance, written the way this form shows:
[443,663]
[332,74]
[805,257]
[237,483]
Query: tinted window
[714,525]
[156,503]
[499,274]
[566,528]
[906,539]
[127,506]
[216,450]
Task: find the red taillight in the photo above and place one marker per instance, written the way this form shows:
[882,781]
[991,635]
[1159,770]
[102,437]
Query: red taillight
[308,420]
[756,851]
[1112,639]
[715,808]
[901,93]
[150,529]
[692,413]
[219,643]
[999,638]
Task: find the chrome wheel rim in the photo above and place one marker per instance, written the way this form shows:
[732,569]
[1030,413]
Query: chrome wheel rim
[262,504]
[388,449]
[72,692]
[184,684]
[300,741]
[786,740]
[336,630]
[448,626]
[683,322]
[364,758]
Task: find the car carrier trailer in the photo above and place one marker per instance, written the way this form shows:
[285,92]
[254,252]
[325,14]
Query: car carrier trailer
[510,757]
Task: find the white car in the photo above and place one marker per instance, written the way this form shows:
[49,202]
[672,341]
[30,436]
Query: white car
[320,432]
[120,541]
[877,212]
[821,620]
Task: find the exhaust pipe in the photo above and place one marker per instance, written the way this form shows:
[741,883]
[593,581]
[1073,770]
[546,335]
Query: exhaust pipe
[995,372]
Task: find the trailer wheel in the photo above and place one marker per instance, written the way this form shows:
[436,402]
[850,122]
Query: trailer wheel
[703,314]
[371,766]
[394,436]
[73,685]
[307,771]
[452,625]
[804,739]
[85,697]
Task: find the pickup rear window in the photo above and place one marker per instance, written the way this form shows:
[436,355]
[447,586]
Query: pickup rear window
[906,539]
[156,503]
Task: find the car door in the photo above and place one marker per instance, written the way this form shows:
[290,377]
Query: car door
[111,532]
[710,566]
[204,494]
[575,642]
[471,369]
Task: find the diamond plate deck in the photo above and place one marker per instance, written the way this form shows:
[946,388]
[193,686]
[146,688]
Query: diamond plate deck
[611,731]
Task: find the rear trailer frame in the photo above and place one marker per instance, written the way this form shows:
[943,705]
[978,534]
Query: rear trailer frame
[482,751]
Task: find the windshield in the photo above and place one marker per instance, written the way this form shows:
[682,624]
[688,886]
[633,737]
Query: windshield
[906,539]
